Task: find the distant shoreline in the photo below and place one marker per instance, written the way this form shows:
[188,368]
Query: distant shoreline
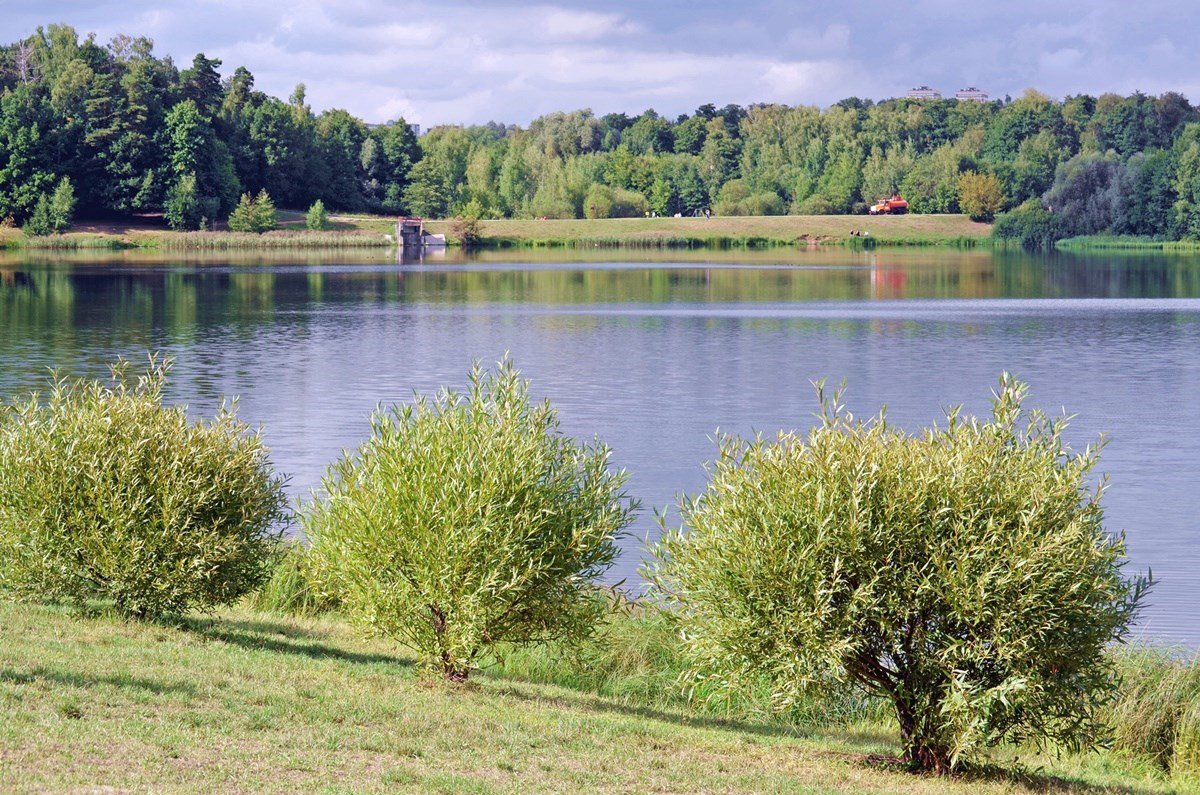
[730,232]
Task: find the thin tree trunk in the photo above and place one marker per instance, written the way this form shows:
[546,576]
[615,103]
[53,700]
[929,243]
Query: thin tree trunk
[451,671]
[921,756]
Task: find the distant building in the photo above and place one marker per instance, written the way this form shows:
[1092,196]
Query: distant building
[971,94]
[416,128]
[924,92]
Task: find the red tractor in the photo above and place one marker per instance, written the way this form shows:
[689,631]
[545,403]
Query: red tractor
[893,206]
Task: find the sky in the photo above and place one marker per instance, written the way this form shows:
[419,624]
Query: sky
[472,62]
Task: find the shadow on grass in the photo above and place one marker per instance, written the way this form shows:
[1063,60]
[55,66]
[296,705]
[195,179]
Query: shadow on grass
[862,744]
[1019,775]
[594,703]
[1044,782]
[42,674]
[282,638]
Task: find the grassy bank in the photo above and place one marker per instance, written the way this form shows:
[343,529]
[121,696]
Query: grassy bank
[246,701]
[373,231]
[1126,243]
[734,232]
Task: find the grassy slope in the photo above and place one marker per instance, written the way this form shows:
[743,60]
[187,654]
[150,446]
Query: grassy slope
[369,230]
[253,703]
[785,229]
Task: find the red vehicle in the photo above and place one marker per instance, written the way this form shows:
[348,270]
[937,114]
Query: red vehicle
[893,206]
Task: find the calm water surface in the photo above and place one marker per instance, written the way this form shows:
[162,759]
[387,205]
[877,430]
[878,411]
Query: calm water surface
[654,355]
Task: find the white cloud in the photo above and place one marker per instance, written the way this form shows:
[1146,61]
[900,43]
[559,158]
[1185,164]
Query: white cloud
[469,61]
[562,24]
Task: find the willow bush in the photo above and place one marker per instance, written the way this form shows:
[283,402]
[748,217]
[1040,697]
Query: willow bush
[105,493]
[468,521]
[963,574]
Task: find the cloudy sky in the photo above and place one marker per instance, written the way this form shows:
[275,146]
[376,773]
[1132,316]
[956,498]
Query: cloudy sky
[464,62]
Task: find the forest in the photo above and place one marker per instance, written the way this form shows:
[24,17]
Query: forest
[115,129]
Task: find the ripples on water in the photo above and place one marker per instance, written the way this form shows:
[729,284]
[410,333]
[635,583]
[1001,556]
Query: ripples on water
[654,356]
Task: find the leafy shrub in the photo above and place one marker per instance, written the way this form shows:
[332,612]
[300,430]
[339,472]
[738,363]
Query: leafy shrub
[732,192]
[105,493]
[816,205]
[53,214]
[962,574]
[253,214]
[980,195]
[39,223]
[1032,225]
[316,219]
[602,201]
[468,521]
[735,198]
[764,203]
[466,226]
[185,209]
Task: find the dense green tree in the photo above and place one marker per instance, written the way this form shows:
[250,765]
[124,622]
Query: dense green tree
[184,207]
[1187,182]
[316,219]
[195,150]
[284,159]
[963,575]
[650,134]
[1146,195]
[25,173]
[884,173]
[1086,194]
[395,151]
[427,193]
[340,139]
[201,84]
[690,135]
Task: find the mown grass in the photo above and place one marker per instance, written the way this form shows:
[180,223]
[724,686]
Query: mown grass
[731,231]
[252,702]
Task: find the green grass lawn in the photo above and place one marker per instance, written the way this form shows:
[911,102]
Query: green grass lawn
[781,230]
[249,702]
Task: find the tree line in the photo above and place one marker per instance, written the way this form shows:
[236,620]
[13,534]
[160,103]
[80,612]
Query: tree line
[133,133]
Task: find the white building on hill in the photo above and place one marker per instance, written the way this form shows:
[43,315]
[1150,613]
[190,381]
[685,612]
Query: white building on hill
[971,94]
[924,92]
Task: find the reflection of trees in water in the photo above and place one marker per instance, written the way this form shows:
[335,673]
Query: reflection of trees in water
[1124,275]
[78,317]
[169,306]
[29,300]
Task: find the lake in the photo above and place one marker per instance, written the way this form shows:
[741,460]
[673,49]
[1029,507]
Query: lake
[654,352]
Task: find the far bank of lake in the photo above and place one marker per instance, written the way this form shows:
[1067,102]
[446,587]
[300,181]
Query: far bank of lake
[368,231]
